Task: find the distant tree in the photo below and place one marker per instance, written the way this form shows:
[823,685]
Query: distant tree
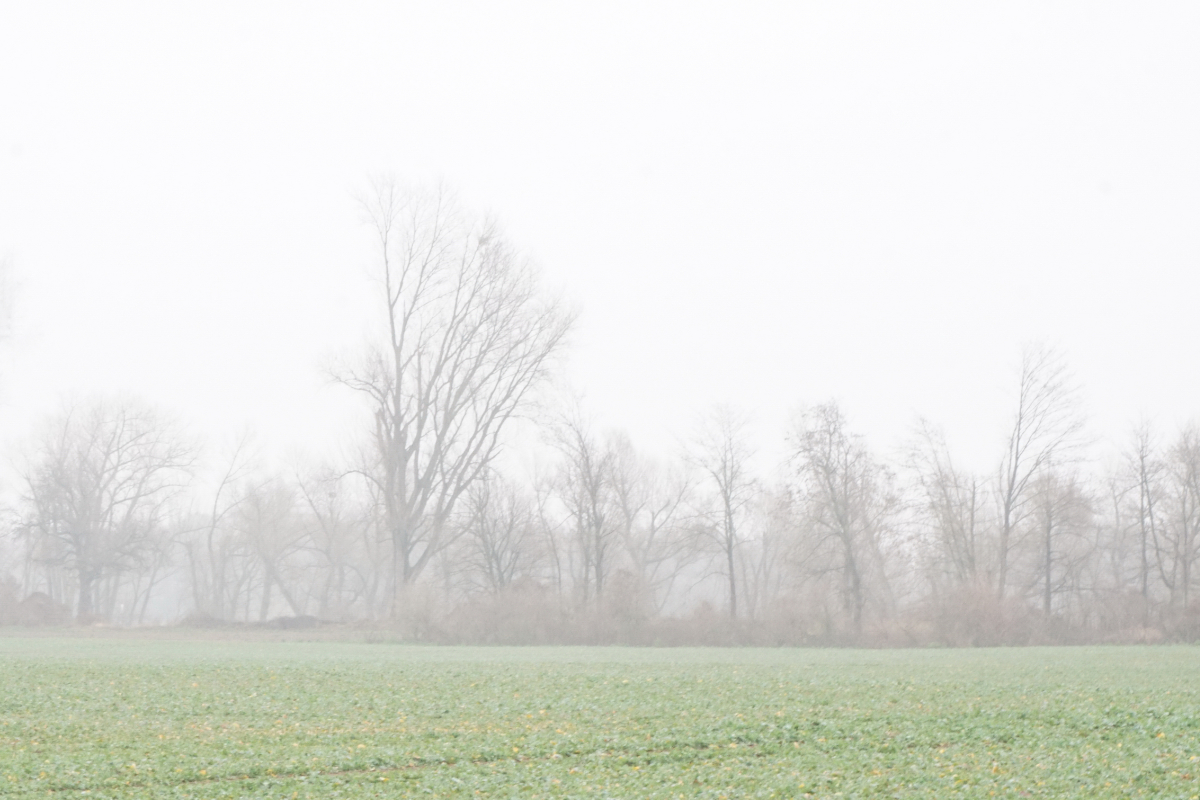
[502,539]
[768,551]
[153,569]
[1112,568]
[652,502]
[1146,468]
[848,501]
[585,489]
[6,305]
[219,563]
[1177,543]
[96,487]
[721,451]
[335,515]
[467,338]
[951,507]
[552,529]
[1045,427]
[1062,522]
[268,518]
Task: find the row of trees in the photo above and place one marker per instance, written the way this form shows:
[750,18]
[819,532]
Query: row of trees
[428,524]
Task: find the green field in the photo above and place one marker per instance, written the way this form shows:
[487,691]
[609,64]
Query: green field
[115,717]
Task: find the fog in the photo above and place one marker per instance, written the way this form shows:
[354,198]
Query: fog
[792,324]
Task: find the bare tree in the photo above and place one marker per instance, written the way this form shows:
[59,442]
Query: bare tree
[721,452]
[767,550]
[652,502]
[334,517]
[152,569]
[847,497]
[585,491]
[952,502]
[96,487]
[503,536]
[217,558]
[1113,569]
[1061,520]
[468,336]
[1177,544]
[1147,470]
[267,518]
[1045,426]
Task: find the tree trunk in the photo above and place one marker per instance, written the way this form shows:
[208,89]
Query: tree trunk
[1048,567]
[265,607]
[1005,531]
[732,579]
[87,590]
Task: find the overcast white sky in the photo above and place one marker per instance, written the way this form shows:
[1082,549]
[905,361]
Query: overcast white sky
[762,204]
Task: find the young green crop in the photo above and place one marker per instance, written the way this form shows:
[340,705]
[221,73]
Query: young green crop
[186,719]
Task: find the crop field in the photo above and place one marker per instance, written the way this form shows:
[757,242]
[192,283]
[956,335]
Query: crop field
[109,717]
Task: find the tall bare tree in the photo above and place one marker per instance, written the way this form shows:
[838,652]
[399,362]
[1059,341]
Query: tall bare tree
[217,557]
[721,451]
[335,515]
[467,337]
[1061,520]
[1045,427]
[652,500]
[952,502]
[267,518]
[1177,545]
[586,492]
[96,486]
[1147,468]
[847,498]
[768,549]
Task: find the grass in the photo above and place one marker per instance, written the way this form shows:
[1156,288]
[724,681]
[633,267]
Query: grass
[140,718]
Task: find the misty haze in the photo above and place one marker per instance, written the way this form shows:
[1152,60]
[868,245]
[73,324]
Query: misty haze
[637,401]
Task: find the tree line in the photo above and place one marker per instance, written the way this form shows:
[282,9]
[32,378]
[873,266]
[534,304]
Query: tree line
[430,526]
